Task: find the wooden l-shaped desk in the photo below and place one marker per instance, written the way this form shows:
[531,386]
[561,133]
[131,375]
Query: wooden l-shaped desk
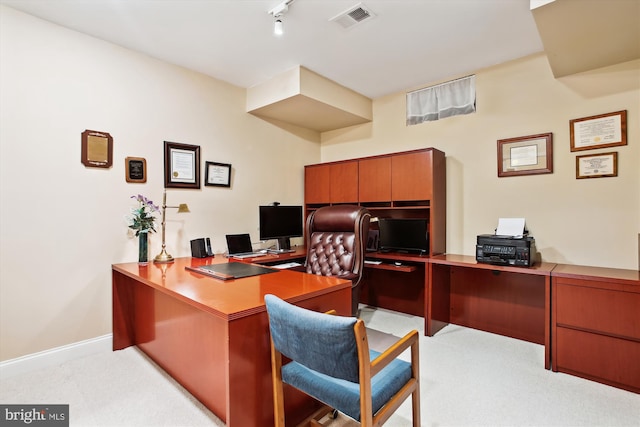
[212,335]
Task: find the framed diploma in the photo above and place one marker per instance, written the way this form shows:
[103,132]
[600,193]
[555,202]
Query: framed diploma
[525,155]
[597,165]
[604,130]
[97,149]
[181,165]
[218,174]
[135,169]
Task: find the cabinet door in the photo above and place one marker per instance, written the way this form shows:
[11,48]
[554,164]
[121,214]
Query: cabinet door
[344,182]
[317,182]
[375,180]
[411,176]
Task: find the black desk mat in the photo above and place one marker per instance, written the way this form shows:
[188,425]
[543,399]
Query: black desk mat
[232,270]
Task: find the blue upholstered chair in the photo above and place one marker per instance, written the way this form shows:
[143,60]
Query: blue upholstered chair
[331,362]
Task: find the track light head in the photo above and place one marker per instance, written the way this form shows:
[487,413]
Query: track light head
[278,28]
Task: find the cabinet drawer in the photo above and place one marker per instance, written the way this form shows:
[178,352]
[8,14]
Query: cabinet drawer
[612,312]
[601,358]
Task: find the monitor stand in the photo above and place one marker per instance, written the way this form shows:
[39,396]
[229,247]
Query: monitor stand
[283,246]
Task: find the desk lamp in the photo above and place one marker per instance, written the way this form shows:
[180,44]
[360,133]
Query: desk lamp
[163,256]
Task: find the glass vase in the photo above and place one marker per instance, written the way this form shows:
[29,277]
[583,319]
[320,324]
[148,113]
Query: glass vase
[143,248]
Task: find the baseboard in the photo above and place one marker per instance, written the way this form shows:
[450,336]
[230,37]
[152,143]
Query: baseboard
[55,356]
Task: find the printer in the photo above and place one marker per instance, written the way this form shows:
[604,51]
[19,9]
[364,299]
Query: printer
[506,250]
[510,245]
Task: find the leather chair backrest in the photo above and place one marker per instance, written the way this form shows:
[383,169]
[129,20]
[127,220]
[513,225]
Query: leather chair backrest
[336,238]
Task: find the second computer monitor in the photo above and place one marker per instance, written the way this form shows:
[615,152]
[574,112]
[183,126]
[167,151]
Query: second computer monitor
[281,223]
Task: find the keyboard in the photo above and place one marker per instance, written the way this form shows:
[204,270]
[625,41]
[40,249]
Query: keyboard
[248,255]
[287,265]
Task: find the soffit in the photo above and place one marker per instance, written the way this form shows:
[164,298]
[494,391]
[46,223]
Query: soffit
[585,35]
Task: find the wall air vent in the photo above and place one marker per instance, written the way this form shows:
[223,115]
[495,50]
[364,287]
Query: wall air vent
[352,16]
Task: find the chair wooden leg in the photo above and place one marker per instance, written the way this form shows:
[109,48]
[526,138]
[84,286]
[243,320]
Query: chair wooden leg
[415,405]
[278,393]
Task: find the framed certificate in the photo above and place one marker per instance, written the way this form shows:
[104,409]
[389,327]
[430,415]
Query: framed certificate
[217,174]
[597,165]
[525,155]
[604,130]
[181,165]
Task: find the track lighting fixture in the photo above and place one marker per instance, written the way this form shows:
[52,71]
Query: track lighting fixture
[278,12]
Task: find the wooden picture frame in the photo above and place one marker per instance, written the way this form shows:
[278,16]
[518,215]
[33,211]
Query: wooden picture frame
[597,165]
[96,149]
[603,130]
[525,155]
[217,174]
[135,169]
[181,165]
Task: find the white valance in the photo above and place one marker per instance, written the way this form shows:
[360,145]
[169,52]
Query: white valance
[448,99]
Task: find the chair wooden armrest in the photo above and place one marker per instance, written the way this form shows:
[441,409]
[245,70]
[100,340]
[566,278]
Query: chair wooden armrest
[391,353]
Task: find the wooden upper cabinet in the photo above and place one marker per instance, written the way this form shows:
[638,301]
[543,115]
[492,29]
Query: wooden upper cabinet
[344,182]
[409,184]
[375,180]
[317,181]
[331,183]
[411,176]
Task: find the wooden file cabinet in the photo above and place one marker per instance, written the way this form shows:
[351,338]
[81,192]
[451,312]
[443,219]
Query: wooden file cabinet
[596,324]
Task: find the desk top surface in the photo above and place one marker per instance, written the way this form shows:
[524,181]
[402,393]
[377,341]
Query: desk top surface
[540,268]
[629,277]
[228,298]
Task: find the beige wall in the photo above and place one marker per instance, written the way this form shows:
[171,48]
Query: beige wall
[62,225]
[586,221]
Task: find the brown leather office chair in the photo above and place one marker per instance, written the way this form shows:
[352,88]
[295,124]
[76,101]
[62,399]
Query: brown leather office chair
[336,240]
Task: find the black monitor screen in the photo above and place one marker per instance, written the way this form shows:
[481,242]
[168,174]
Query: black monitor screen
[403,235]
[281,222]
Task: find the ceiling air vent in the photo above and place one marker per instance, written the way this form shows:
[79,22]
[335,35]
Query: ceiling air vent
[352,16]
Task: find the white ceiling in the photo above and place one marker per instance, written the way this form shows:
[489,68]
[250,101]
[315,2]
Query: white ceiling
[407,45]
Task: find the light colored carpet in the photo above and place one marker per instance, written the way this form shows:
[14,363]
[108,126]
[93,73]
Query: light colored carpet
[468,378]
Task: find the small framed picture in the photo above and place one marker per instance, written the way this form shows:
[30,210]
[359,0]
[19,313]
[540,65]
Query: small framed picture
[597,165]
[217,174]
[525,155]
[604,130]
[135,169]
[181,165]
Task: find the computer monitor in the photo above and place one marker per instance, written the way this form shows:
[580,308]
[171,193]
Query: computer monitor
[403,235]
[281,222]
